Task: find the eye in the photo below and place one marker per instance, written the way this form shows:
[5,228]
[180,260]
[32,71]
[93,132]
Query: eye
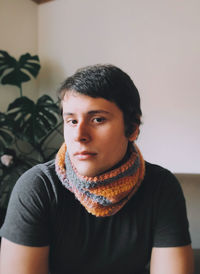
[72,122]
[99,120]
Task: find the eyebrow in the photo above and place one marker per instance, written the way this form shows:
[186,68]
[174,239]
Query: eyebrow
[91,112]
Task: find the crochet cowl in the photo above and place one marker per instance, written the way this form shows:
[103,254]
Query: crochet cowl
[105,194]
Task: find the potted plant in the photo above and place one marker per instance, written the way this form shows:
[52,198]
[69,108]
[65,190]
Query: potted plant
[26,127]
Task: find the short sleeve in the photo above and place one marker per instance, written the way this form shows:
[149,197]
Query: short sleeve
[27,217]
[171,226]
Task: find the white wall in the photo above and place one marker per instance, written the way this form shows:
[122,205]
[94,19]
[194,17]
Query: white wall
[18,35]
[156,42]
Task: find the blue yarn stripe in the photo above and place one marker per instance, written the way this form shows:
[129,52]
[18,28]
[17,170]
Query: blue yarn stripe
[81,185]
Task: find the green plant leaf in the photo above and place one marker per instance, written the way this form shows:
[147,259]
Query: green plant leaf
[15,72]
[33,121]
[6,61]
[6,137]
[26,62]
[21,103]
[15,78]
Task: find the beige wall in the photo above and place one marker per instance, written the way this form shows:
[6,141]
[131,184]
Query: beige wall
[156,42]
[18,35]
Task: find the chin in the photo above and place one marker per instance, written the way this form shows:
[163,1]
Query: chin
[84,171]
[87,173]
[89,170]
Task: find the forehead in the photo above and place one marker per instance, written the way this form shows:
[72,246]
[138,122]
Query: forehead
[74,102]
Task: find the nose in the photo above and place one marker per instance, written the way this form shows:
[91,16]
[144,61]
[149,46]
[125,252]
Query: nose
[82,133]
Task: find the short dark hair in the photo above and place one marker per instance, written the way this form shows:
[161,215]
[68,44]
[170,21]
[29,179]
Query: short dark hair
[111,83]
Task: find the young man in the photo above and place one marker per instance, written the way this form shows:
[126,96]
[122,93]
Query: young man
[99,207]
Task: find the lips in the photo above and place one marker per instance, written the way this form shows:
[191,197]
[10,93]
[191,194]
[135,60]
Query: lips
[84,155]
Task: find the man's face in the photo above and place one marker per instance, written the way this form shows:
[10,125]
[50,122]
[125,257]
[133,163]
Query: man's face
[93,132]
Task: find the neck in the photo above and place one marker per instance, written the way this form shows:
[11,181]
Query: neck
[103,195]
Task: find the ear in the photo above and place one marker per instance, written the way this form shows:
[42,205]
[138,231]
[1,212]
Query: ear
[135,134]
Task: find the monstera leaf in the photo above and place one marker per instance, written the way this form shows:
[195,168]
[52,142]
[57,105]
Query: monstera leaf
[5,134]
[15,72]
[33,121]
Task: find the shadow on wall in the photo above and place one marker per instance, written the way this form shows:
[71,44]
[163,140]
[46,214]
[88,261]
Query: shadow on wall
[51,76]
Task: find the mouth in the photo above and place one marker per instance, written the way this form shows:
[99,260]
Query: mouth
[85,155]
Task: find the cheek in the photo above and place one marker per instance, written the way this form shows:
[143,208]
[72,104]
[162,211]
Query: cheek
[65,134]
[115,134]
[67,137]
[114,140]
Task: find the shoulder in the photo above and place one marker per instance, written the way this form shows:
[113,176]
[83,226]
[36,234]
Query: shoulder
[32,206]
[170,224]
[40,171]
[158,177]
[154,171]
[40,184]
[39,175]
[161,189]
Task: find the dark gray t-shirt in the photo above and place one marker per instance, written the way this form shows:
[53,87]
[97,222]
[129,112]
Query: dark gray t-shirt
[43,212]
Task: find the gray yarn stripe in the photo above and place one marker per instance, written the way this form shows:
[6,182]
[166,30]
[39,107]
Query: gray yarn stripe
[82,184]
[72,176]
[99,199]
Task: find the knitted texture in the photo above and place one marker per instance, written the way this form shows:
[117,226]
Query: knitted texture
[105,194]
